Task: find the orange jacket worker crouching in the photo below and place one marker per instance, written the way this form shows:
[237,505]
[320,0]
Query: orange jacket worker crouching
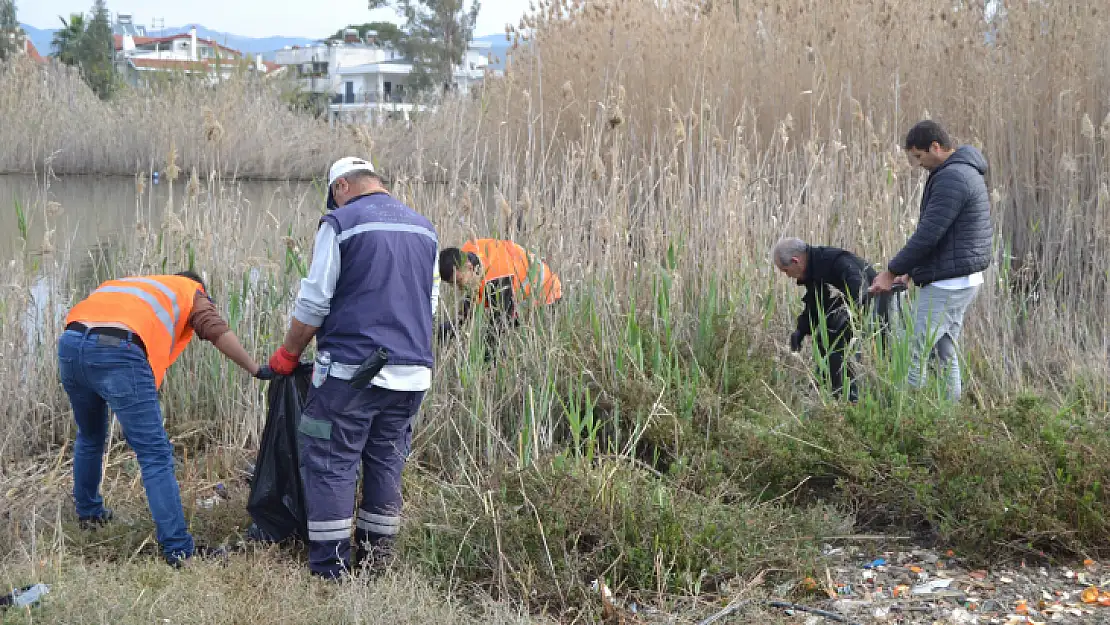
[501,275]
[114,352]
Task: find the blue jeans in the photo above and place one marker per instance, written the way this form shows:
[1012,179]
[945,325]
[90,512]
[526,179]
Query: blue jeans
[100,372]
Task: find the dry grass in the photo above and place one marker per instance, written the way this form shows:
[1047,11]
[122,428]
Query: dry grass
[239,127]
[654,164]
[256,589]
[113,575]
[736,123]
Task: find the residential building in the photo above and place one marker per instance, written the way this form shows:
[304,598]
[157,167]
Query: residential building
[24,45]
[32,52]
[367,81]
[139,57]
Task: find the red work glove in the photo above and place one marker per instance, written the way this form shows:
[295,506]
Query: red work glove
[284,362]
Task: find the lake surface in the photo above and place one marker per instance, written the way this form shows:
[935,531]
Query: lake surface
[88,209]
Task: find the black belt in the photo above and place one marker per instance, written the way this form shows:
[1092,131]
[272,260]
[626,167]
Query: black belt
[119,333]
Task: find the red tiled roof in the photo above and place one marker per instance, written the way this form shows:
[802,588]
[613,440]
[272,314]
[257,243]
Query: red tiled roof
[145,41]
[34,53]
[139,41]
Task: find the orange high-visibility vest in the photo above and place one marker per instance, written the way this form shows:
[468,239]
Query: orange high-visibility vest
[506,258]
[157,308]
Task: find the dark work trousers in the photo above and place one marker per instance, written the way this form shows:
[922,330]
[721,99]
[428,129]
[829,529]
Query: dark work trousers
[840,365]
[342,427]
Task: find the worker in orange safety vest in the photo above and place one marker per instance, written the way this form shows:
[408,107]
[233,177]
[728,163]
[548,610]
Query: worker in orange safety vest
[501,275]
[114,352]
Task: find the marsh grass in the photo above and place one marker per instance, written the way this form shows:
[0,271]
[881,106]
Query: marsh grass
[240,127]
[642,427]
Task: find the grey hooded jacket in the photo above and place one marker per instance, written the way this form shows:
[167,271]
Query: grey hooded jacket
[953,236]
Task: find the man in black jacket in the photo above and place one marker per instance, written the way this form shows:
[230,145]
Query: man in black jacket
[948,252]
[835,281]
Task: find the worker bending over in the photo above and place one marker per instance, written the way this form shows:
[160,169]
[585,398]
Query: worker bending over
[501,275]
[114,353]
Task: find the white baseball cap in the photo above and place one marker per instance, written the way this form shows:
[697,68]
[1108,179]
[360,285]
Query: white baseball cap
[343,167]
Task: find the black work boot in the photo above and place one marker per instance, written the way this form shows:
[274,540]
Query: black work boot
[374,553]
[93,522]
[199,552]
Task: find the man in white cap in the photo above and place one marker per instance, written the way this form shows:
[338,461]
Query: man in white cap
[369,299]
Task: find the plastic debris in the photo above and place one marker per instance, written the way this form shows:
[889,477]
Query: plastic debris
[24,597]
[1090,595]
[935,587]
[929,588]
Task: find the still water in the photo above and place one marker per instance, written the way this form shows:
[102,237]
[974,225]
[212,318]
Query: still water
[80,213]
[84,210]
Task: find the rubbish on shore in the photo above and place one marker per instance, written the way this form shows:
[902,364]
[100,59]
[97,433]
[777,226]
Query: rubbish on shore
[929,588]
[793,607]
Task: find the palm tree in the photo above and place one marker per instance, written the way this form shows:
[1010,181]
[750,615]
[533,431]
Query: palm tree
[67,41]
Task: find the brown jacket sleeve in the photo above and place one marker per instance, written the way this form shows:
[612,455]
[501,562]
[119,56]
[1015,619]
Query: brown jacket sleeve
[206,320]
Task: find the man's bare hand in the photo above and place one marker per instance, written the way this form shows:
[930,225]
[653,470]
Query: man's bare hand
[882,283]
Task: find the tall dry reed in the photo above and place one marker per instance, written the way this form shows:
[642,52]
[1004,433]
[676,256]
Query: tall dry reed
[239,127]
[701,141]
[737,123]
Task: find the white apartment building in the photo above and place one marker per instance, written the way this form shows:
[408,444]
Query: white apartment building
[366,81]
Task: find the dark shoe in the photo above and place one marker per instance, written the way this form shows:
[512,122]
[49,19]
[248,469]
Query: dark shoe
[93,522]
[199,551]
[374,558]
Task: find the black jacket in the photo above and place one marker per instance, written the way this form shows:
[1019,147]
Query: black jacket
[953,236]
[829,268]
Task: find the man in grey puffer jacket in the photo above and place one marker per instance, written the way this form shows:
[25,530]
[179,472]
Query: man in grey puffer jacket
[948,252]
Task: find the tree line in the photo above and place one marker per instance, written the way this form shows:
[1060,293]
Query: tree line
[84,42]
[434,39]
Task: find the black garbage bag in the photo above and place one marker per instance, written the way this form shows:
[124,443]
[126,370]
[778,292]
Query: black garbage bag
[276,502]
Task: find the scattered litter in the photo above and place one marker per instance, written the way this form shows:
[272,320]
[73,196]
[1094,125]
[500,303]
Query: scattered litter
[931,587]
[938,587]
[793,607]
[24,597]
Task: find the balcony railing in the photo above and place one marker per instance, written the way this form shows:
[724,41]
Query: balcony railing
[371,97]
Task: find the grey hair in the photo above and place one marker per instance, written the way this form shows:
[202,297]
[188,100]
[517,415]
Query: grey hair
[361,174]
[786,249]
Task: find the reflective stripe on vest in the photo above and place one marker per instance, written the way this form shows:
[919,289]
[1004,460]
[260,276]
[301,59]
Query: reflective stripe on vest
[387,227]
[503,258]
[157,308]
[170,295]
[159,311]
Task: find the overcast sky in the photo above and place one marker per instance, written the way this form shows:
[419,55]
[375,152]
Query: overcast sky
[257,18]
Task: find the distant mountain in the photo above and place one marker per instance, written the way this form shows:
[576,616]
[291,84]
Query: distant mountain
[249,45]
[266,46]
